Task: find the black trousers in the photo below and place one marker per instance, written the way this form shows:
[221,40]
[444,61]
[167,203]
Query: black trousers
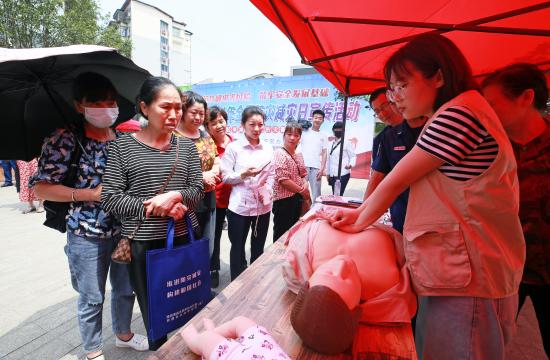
[138,278]
[344,179]
[285,214]
[215,258]
[238,227]
[540,297]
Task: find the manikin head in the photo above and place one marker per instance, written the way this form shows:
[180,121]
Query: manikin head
[326,311]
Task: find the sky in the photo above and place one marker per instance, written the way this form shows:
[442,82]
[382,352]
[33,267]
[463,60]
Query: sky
[231,39]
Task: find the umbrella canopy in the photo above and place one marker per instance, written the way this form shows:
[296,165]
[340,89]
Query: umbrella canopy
[349,41]
[36,91]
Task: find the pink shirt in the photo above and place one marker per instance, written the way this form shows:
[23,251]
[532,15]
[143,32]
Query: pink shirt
[254,343]
[287,167]
[239,156]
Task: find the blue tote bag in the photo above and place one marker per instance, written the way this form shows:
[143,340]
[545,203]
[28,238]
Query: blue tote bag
[178,282]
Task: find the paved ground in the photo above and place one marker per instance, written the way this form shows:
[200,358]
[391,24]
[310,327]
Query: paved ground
[38,304]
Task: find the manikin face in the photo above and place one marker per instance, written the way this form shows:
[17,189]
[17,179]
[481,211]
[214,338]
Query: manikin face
[253,127]
[217,127]
[510,111]
[194,116]
[413,94]
[164,112]
[341,276]
[386,111]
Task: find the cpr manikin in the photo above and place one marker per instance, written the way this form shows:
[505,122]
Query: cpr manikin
[356,277]
[237,339]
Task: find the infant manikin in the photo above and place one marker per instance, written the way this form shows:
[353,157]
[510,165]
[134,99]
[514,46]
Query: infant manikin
[237,339]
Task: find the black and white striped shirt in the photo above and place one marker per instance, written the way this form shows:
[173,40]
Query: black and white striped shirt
[459,139]
[135,172]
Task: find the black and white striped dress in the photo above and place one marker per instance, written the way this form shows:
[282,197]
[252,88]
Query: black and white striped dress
[135,172]
[459,139]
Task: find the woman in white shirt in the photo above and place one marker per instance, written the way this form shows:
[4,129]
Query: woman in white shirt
[333,157]
[247,164]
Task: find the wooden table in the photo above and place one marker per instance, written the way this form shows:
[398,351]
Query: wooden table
[260,293]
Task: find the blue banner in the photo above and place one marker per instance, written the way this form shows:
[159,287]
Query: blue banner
[294,97]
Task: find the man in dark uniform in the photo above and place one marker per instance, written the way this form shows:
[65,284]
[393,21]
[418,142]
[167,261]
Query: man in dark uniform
[395,141]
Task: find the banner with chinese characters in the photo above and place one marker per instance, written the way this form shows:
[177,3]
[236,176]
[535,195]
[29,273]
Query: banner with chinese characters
[295,97]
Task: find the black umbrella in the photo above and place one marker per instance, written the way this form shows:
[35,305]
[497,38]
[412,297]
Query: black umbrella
[36,91]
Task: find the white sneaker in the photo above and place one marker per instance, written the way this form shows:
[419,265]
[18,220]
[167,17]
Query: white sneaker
[137,342]
[99,357]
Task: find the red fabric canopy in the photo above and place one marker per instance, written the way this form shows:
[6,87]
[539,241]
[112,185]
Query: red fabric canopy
[348,41]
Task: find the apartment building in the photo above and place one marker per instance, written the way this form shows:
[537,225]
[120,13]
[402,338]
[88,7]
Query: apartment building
[160,44]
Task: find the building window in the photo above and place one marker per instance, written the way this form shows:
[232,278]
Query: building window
[163,29]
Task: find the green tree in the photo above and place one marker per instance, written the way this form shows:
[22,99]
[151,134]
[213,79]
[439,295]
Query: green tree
[45,23]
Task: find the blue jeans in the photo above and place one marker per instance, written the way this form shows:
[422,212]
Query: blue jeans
[89,261]
[457,327]
[7,165]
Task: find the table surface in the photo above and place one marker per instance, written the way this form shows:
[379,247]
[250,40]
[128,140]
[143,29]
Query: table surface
[260,293]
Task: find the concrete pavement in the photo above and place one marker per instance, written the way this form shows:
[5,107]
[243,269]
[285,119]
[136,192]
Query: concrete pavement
[38,304]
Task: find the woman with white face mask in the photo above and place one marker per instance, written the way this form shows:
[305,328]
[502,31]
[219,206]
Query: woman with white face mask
[90,229]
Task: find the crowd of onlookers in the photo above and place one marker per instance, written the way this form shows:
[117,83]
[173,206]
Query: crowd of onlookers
[446,166]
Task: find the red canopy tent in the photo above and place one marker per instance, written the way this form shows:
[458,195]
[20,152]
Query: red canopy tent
[348,41]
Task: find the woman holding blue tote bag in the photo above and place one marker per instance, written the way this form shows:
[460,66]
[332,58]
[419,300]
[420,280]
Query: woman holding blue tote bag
[138,166]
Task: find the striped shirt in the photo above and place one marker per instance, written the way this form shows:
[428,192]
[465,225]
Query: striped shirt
[459,139]
[135,173]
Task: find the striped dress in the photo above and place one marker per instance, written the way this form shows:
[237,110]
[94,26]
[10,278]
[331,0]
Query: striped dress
[460,140]
[135,173]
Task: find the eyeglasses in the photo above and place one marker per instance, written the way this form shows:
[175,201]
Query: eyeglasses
[382,107]
[395,92]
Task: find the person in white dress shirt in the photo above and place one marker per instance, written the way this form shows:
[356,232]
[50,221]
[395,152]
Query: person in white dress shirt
[247,164]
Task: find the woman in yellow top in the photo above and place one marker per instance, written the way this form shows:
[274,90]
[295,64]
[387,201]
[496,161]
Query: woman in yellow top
[194,112]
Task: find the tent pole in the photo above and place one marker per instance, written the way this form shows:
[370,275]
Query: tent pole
[344,116]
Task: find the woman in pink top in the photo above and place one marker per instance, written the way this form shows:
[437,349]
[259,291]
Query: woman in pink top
[464,245]
[290,187]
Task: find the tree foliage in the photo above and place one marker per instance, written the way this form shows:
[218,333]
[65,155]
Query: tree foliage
[46,23]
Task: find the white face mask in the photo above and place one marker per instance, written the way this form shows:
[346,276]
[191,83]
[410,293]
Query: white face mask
[101,117]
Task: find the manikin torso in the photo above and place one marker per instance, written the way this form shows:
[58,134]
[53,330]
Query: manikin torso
[372,251]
